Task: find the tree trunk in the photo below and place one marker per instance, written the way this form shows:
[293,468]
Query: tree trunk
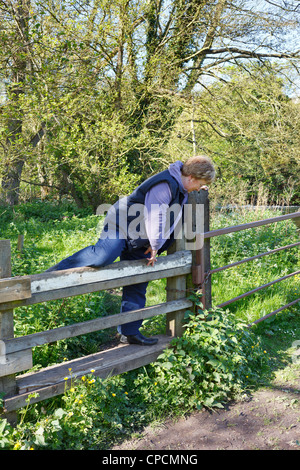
[15,159]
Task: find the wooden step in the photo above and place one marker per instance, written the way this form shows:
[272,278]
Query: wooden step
[53,380]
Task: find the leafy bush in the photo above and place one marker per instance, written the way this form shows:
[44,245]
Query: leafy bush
[217,358]
[92,414]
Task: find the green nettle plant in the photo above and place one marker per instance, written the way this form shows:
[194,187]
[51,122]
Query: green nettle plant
[216,359]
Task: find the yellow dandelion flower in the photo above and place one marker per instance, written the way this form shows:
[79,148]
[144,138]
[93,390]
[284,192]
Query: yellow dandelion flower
[66,378]
[92,370]
[113,394]
[83,378]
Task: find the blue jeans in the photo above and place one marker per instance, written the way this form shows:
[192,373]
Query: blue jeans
[105,252]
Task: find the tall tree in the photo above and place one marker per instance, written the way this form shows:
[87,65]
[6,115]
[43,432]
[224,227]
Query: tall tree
[16,41]
[104,82]
[249,123]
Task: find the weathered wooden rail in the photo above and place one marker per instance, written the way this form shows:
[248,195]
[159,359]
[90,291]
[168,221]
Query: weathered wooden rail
[28,290]
[183,270]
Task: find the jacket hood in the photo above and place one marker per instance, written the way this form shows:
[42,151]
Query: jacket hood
[175,171]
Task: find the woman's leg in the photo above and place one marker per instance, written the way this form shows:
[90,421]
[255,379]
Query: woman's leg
[133,298]
[104,252]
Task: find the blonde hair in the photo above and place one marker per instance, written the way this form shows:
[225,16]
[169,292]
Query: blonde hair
[200,167]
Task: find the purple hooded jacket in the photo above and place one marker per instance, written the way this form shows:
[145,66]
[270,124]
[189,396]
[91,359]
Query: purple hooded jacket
[157,200]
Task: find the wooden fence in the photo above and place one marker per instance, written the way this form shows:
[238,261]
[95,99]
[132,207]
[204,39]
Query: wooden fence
[183,270]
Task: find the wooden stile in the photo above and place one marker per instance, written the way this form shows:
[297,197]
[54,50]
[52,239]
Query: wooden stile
[38,288]
[16,353]
[82,328]
[53,381]
[58,285]
[184,270]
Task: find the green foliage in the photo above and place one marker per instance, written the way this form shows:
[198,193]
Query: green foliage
[92,414]
[249,125]
[92,94]
[230,248]
[216,359]
[52,232]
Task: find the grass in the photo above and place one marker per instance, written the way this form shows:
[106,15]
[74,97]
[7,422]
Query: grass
[94,413]
[245,277]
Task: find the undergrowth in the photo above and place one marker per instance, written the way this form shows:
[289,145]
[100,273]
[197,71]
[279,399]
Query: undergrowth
[217,359]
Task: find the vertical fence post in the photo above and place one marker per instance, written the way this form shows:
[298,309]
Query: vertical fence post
[20,244]
[7,383]
[176,289]
[206,285]
[201,257]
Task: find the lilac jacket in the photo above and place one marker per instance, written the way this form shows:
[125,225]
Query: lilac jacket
[156,202]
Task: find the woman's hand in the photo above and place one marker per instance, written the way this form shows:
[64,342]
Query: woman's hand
[152,258]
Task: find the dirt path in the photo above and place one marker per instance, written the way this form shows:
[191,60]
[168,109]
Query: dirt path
[269,420]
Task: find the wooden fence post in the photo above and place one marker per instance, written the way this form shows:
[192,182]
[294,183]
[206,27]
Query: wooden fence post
[177,286]
[176,289]
[7,383]
[20,244]
[201,257]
